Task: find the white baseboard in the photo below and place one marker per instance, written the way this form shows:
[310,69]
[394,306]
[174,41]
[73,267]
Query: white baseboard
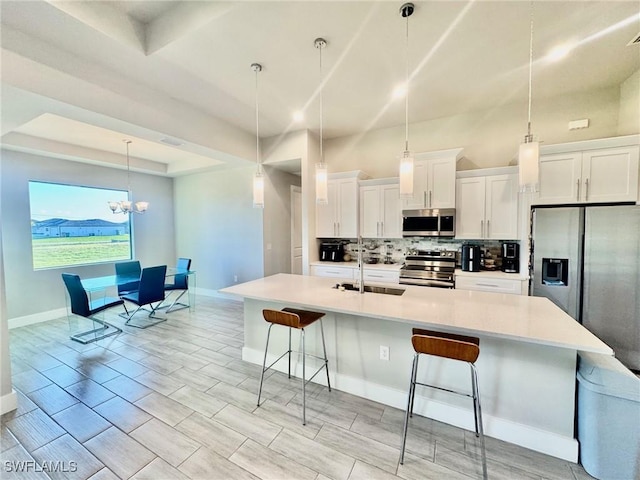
[206,292]
[542,441]
[37,318]
[8,402]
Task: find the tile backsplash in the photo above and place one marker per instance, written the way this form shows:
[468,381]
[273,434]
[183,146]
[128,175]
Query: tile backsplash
[394,250]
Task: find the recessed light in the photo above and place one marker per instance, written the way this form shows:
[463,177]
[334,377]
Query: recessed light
[400,91]
[558,53]
[298,116]
[171,141]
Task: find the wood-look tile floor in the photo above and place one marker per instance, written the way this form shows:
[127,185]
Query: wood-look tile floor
[177,401]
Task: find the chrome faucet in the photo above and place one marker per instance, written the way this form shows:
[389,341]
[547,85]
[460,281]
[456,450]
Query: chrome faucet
[360,266]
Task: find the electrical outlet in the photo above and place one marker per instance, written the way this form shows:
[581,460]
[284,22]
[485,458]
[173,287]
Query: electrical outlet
[384,352]
[235,278]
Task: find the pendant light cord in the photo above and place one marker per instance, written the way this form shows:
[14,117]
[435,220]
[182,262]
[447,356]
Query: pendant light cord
[257,124]
[406,97]
[321,112]
[127,142]
[529,137]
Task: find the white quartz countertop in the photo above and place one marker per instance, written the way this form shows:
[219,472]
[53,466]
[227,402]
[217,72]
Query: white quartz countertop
[513,317]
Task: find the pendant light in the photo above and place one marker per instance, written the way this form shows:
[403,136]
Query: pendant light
[125,206]
[322,193]
[258,179]
[529,154]
[406,161]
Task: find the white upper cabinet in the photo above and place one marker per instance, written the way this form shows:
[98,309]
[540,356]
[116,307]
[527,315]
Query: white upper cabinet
[380,213]
[434,180]
[339,218]
[487,205]
[590,174]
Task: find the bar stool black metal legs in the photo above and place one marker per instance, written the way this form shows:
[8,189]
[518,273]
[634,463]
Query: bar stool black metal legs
[298,319]
[454,347]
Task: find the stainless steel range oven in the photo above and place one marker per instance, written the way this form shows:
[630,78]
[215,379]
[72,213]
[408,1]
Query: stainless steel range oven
[429,268]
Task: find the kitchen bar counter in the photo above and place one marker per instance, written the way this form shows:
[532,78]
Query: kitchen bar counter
[526,366]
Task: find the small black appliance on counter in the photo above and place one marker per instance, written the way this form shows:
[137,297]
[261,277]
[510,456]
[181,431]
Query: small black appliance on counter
[470,261]
[331,252]
[510,257]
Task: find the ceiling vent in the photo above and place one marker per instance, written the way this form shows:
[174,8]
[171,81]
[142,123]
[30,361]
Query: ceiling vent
[634,41]
[171,141]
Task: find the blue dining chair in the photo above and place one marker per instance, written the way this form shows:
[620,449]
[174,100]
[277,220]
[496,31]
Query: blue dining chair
[128,276]
[180,284]
[82,306]
[150,291]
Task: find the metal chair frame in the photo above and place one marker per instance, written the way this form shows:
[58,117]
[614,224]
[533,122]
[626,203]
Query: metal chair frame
[183,263]
[325,361]
[82,306]
[475,395]
[142,303]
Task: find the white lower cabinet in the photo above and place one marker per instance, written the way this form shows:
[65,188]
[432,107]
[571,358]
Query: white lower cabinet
[490,284]
[343,272]
[382,276]
[346,273]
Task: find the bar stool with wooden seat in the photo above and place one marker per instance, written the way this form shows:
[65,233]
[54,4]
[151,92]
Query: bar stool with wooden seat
[298,319]
[454,347]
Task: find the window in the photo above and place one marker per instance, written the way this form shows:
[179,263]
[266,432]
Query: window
[72,225]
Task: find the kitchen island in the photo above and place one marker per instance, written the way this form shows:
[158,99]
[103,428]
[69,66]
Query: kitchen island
[526,368]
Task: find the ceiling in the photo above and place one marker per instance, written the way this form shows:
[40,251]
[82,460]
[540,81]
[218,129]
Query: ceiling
[78,77]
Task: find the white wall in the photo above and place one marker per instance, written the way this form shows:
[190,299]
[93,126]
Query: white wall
[32,292]
[629,114]
[277,220]
[7,397]
[490,138]
[218,228]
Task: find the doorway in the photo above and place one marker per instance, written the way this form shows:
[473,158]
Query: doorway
[296,230]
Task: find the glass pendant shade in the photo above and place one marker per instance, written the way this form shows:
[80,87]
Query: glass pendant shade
[322,193]
[142,206]
[258,190]
[406,175]
[528,166]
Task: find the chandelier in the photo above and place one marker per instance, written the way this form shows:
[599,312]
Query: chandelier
[127,206]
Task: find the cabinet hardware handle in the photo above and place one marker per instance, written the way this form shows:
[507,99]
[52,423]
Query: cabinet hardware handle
[424,198]
[429,198]
[586,189]
[338,223]
[374,276]
[488,285]
[488,234]
[482,228]
[382,229]
[578,194]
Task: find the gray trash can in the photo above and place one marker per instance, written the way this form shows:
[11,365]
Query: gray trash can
[608,418]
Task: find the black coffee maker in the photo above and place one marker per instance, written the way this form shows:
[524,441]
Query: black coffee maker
[510,257]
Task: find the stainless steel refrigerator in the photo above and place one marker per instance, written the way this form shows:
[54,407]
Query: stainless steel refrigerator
[587,261]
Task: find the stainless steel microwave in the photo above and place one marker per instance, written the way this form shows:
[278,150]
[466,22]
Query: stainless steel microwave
[437,222]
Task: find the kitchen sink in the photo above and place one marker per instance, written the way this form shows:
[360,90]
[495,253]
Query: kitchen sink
[375,289]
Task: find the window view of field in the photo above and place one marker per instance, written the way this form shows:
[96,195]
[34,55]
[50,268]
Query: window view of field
[72,225]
